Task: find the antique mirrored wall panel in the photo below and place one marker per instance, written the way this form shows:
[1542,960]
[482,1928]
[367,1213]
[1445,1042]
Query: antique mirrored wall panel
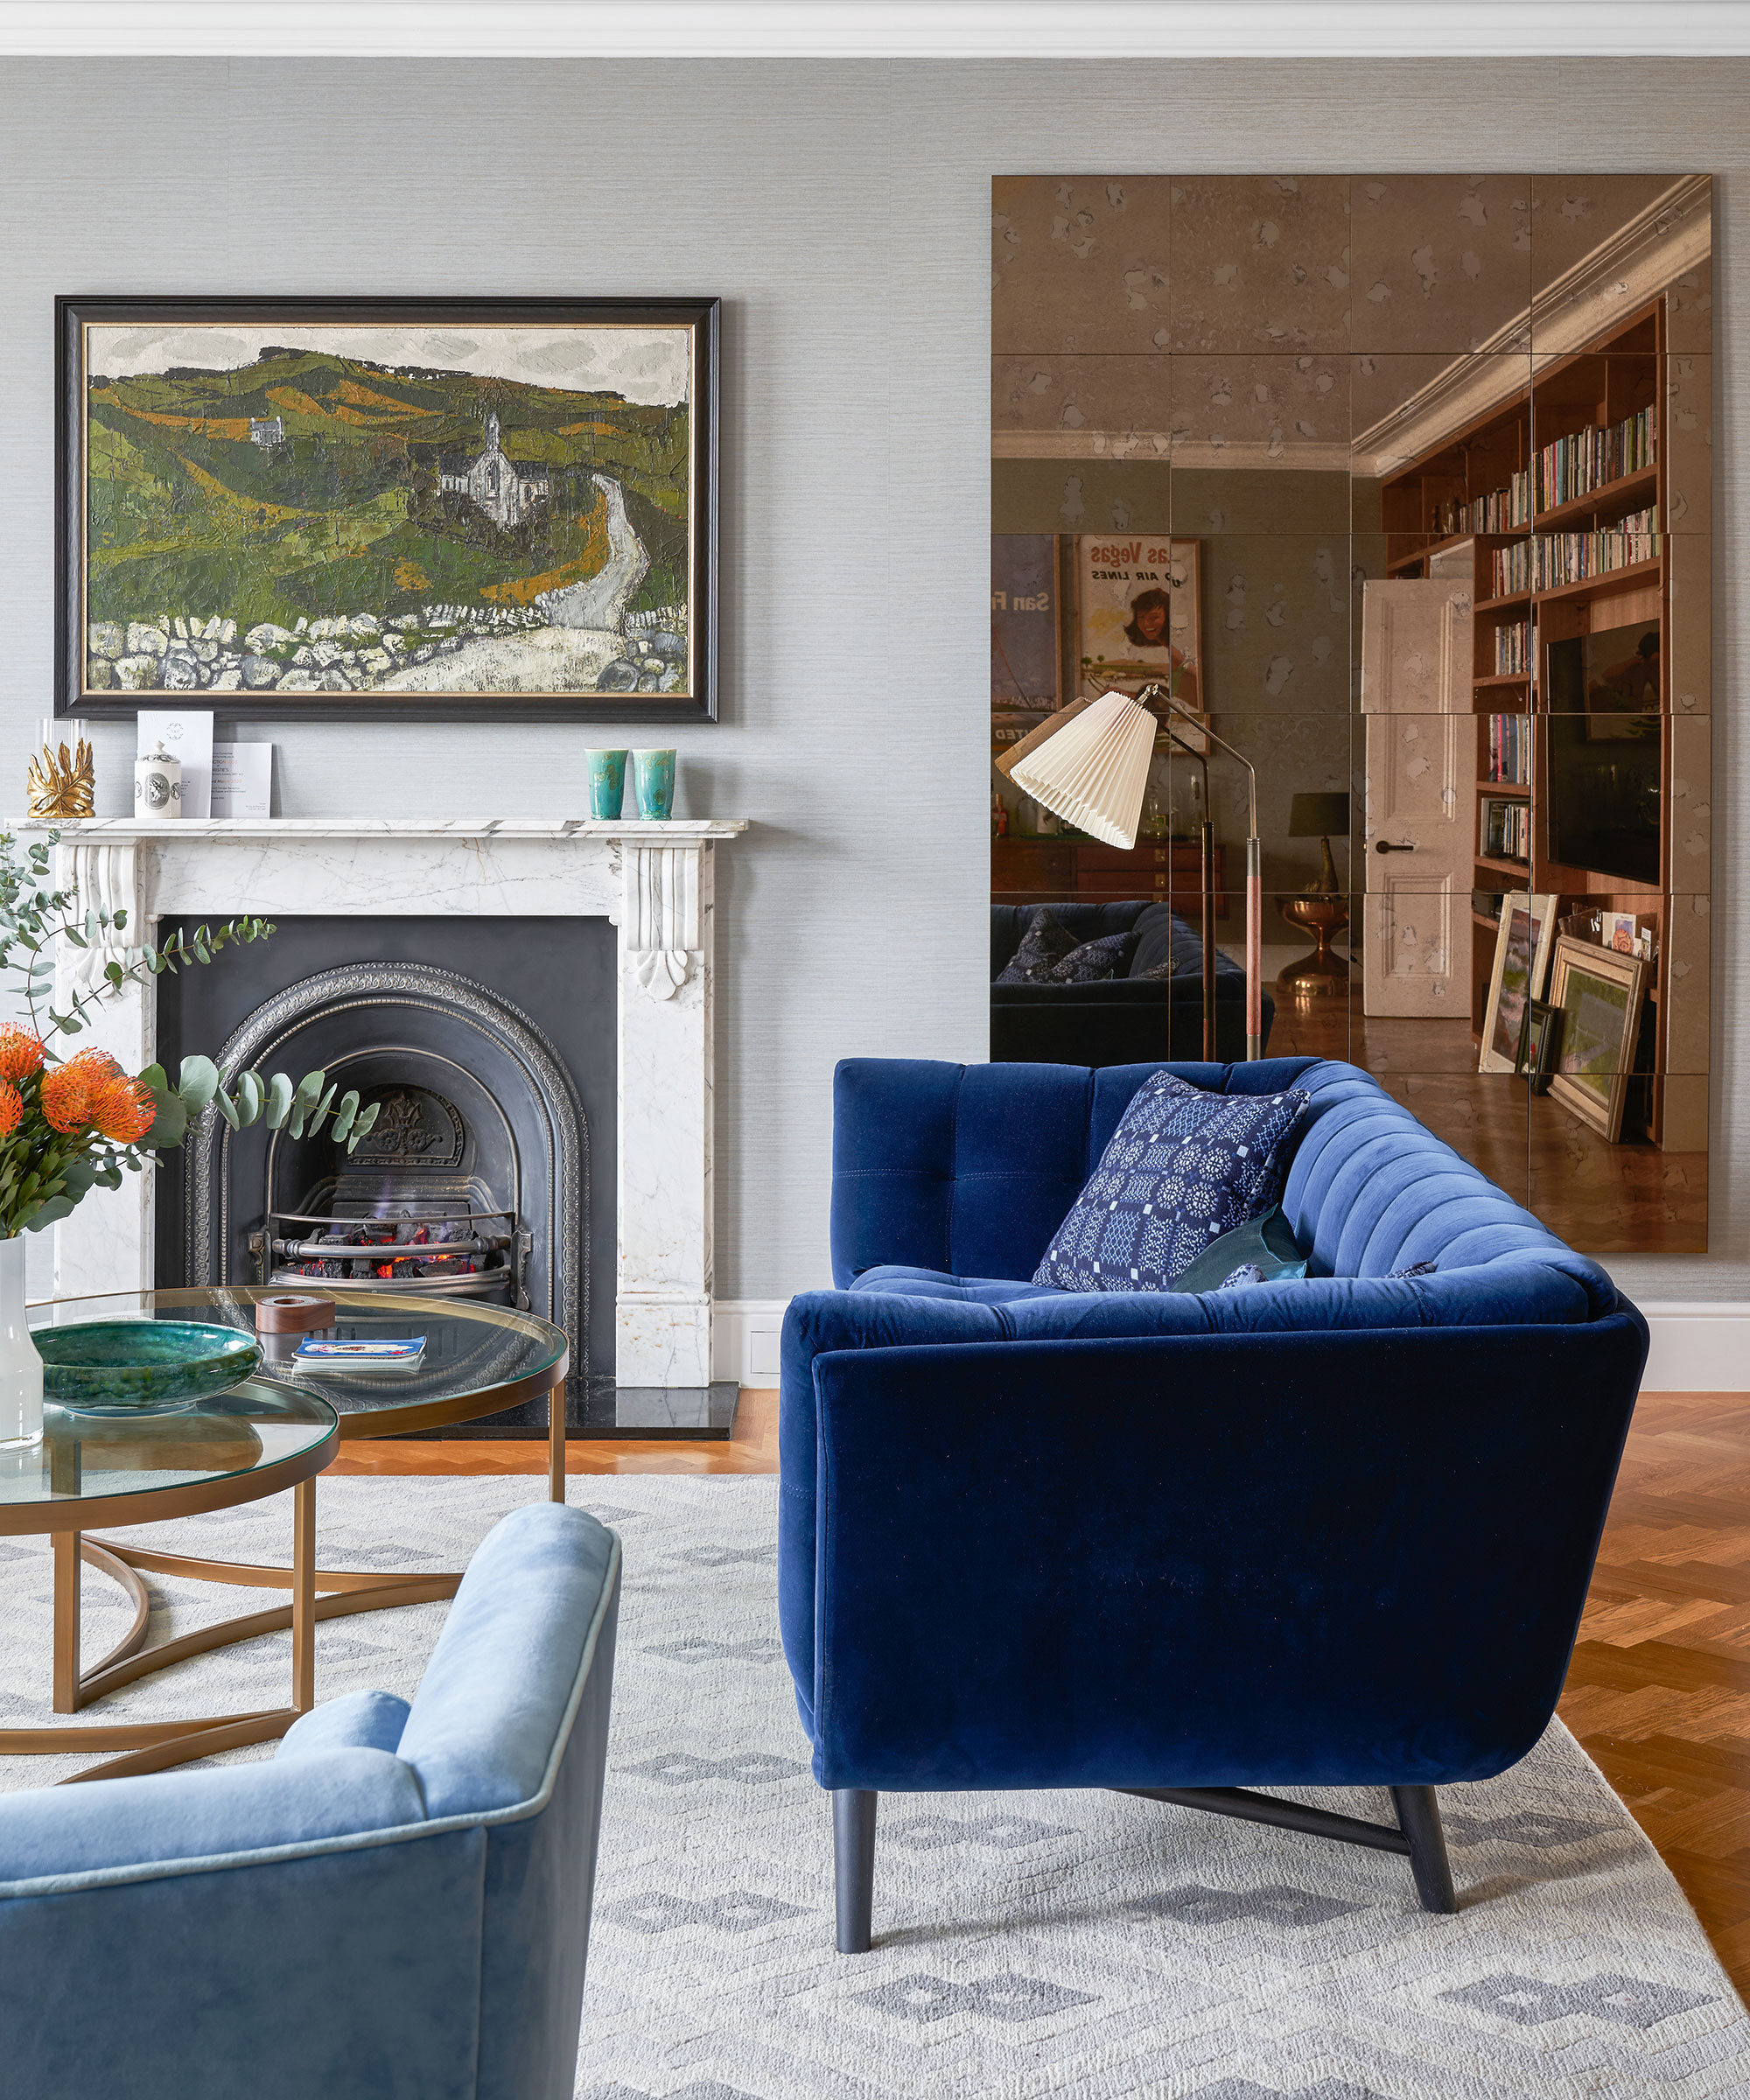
[1393,492]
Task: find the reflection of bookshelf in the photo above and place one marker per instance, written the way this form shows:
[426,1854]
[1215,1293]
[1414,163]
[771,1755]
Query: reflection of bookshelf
[1559,494]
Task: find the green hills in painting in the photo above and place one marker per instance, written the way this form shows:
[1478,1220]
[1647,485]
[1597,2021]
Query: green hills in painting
[344,513]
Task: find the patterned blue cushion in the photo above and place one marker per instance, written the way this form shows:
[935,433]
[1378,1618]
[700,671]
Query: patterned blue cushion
[1248,1272]
[1182,1168]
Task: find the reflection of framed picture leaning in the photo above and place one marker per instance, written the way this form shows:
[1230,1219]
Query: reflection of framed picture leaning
[1600,993]
[1141,613]
[1522,957]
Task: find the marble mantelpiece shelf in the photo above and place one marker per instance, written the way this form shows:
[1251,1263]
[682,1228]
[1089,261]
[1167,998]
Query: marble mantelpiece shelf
[675,831]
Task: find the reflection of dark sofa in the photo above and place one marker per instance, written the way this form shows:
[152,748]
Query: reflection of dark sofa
[1123,1020]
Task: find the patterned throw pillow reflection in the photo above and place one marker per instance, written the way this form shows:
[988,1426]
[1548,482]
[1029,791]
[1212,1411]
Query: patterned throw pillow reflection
[1183,1167]
[1091,963]
[1045,942]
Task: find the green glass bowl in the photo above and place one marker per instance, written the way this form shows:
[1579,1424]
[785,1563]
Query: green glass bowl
[133,1366]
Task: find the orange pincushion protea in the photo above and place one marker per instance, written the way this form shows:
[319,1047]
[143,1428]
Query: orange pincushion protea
[122,1109]
[69,1090]
[21,1053]
[11,1107]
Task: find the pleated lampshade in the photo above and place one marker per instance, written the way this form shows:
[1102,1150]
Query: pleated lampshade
[1094,770]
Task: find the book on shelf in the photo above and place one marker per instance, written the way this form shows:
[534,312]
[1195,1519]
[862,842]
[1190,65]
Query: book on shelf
[1501,510]
[1593,458]
[1549,559]
[1513,648]
[1506,829]
[1509,750]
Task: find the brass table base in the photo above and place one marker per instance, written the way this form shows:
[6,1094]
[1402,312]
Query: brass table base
[154,1745]
[316,1593]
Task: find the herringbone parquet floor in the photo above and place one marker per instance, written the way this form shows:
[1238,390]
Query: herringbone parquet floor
[1659,1690]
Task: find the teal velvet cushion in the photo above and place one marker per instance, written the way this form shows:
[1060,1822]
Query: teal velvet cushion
[1264,1244]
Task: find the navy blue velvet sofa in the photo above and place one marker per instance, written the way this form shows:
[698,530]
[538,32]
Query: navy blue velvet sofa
[1117,1020]
[1328,1532]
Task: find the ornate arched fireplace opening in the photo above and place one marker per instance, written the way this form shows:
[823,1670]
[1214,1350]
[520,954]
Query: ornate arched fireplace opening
[474,1182]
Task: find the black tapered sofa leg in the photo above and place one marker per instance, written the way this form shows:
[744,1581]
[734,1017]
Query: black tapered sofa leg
[853,1865]
[1418,1817]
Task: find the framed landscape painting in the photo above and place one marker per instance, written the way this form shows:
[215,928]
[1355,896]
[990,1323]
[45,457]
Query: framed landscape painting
[435,508]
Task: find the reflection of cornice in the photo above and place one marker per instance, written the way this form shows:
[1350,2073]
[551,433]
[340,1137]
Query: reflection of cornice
[1153,448]
[1645,256]
[1641,258]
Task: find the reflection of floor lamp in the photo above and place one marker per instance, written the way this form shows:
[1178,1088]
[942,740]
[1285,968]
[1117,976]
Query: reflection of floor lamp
[1090,763]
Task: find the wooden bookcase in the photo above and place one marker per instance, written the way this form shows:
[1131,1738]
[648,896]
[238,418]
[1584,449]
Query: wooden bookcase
[1426,510]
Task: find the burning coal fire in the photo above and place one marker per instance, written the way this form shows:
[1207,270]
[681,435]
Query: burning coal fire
[390,1233]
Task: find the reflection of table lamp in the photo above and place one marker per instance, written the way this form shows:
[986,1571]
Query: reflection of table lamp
[1320,909]
[1090,763]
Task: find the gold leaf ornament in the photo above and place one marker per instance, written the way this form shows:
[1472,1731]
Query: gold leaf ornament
[60,785]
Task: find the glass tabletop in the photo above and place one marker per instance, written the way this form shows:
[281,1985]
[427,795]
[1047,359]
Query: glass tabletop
[478,1359]
[254,1428]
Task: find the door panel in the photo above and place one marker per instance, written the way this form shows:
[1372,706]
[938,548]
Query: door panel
[1421,798]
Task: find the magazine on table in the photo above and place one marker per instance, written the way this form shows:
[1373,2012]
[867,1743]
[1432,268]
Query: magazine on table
[386,1354]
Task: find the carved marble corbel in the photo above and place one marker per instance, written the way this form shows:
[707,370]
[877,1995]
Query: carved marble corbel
[661,921]
[105,876]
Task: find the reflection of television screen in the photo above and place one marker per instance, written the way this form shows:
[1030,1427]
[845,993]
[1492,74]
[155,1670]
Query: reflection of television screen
[1604,784]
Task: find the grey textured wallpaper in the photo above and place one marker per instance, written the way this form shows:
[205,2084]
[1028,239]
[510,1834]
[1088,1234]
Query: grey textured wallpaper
[841,211]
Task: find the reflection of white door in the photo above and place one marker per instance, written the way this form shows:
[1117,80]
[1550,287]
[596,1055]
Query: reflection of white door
[1421,798]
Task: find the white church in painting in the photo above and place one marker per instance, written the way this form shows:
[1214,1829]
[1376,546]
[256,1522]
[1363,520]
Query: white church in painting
[505,489]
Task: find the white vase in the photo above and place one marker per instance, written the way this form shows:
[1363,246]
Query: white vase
[21,1369]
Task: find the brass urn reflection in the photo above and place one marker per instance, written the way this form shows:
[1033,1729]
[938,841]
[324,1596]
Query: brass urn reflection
[1321,909]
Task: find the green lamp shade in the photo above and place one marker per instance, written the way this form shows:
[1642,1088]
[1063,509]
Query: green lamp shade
[1319,816]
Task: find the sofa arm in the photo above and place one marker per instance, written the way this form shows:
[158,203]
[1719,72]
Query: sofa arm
[1335,1559]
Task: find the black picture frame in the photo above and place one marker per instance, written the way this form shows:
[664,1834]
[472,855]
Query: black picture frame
[76,696]
[1540,1043]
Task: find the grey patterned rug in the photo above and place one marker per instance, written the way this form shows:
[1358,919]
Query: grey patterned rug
[1026,1944]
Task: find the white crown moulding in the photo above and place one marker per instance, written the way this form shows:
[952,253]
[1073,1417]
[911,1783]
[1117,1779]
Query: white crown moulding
[893,29]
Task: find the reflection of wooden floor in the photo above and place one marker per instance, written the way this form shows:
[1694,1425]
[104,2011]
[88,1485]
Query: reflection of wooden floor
[1659,1690]
[1601,1199]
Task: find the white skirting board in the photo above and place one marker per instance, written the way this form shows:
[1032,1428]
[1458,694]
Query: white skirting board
[744,1338]
[1701,1345]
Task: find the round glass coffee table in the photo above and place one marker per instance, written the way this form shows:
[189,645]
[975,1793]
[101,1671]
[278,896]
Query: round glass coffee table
[238,1446]
[478,1361]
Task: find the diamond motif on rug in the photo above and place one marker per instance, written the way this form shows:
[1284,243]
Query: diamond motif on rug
[1010,1996]
[1278,1905]
[741,1910]
[1629,2001]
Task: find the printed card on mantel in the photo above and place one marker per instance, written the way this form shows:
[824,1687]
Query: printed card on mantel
[243,779]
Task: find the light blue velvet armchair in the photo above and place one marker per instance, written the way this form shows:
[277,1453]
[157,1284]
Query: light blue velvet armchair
[394,1907]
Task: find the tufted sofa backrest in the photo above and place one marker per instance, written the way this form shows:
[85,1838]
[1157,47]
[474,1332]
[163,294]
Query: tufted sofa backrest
[970,1169]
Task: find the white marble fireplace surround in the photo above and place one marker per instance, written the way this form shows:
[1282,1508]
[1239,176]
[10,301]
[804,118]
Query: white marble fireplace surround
[651,880]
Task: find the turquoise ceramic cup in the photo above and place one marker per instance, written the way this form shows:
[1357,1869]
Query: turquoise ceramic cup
[652,782]
[607,782]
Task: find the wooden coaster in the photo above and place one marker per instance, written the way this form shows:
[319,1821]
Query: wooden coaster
[293,1314]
